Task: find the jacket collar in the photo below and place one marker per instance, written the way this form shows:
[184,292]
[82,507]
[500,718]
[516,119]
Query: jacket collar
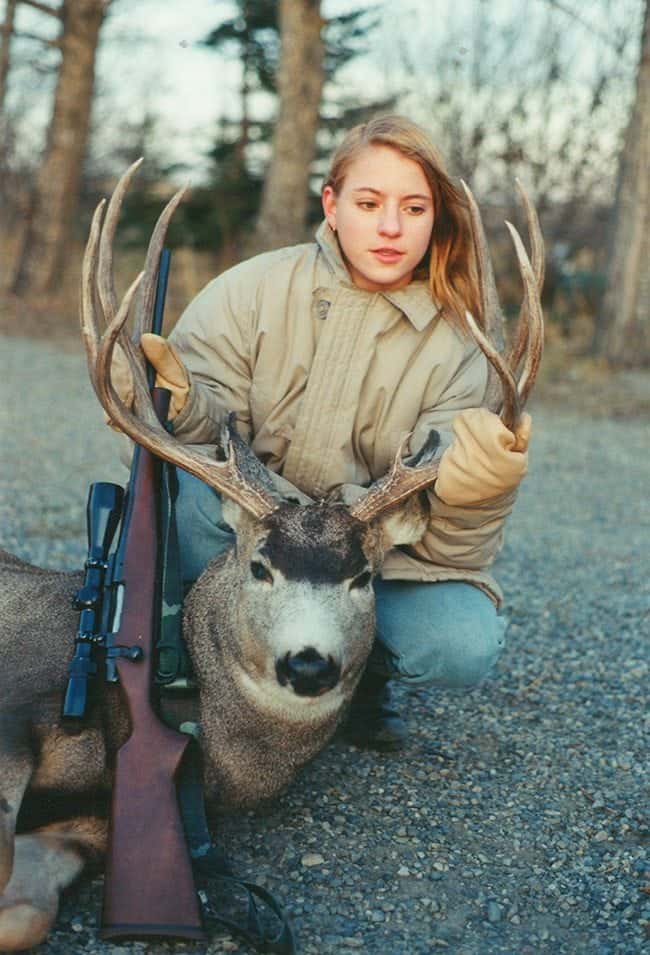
[414,301]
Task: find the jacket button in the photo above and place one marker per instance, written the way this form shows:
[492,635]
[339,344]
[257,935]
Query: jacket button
[322,308]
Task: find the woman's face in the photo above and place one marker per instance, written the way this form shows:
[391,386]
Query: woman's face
[383,216]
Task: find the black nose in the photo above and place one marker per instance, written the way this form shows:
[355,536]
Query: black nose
[309,673]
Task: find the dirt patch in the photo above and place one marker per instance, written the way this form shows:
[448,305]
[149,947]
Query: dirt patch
[567,380]
[43,320]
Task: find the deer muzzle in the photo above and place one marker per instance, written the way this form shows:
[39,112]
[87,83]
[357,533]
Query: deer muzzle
[308,672]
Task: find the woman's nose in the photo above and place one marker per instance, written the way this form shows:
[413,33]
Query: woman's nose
[390,223]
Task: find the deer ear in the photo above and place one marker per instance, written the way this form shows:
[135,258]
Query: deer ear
[232,513]
[405,524]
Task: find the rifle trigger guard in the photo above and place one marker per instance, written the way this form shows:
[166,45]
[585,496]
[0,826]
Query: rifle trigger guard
[134,654]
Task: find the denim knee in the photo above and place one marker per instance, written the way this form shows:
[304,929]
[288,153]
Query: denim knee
[463,661]
[446,634]
[202,532]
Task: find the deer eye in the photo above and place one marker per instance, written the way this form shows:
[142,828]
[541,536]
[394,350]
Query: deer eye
[260,572]
[361,581]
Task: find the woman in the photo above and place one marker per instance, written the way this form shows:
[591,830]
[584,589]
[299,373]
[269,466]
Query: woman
[329,353]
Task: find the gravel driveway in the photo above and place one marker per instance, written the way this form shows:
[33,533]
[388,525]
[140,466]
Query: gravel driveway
[517,821]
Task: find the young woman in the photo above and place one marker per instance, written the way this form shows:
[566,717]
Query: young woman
[328,353]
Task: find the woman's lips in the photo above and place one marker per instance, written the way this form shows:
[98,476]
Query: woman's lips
[387,255]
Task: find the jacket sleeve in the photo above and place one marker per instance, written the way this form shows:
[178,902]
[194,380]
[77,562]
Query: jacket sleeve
[213,337]
[460,537]
[466,538]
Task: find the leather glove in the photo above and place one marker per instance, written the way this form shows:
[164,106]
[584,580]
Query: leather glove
[485,460]
[171,373]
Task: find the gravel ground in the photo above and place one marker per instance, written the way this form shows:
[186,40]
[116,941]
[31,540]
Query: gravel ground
[516,821]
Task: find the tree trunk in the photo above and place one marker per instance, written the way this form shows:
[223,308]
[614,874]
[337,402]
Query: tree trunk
[624,337]
[48,232]
[6,33]
[283,212]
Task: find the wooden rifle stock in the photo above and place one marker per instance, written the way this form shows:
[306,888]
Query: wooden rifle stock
[149,886]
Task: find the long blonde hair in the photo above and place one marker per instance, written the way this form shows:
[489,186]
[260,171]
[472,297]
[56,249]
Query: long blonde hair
[449,265]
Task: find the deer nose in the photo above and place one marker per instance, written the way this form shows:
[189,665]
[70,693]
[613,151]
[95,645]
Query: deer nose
[308,672]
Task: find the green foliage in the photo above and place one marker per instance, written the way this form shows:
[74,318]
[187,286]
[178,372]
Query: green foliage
[347,36]
[236,190]
[252,36]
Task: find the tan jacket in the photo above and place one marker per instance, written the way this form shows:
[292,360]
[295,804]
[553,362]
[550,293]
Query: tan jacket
[326,379]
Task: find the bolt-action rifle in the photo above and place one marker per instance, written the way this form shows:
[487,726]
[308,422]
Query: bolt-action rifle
[149,885]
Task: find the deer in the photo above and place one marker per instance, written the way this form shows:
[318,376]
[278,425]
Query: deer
[270,696]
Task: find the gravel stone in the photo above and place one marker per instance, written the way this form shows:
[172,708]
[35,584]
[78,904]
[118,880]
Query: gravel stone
[530,791]
[312,858]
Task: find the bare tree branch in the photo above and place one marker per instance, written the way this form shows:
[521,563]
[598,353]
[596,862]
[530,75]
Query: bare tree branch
[44,8]
[26,35]
[601,34]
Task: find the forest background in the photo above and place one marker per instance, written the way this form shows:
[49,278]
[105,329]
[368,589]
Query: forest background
[245,99]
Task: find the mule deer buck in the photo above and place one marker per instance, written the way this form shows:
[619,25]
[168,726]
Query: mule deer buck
[271,691]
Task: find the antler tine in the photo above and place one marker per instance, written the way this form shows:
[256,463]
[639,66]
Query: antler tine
[398,484]
[147,294]
[498,398]
[490,307]
[492,315]
[537,248]
[89,326]
[537,259]
[145,429]
[533,310]
[509,406]
[528,343]
[108,397]
[105,278]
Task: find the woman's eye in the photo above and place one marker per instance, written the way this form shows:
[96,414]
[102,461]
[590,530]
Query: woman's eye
[361,581]
[367,204]
[416,210]
[260,572]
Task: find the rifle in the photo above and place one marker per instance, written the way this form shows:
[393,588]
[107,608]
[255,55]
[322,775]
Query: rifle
[149,884]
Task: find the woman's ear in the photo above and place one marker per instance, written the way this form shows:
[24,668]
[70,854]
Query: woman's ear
[328,198]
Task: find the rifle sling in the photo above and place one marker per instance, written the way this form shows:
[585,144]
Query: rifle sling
[179,709]
[216,880]
[173,659]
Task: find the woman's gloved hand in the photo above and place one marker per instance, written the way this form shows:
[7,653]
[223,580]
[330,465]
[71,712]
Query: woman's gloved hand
[171,373]
[485,460]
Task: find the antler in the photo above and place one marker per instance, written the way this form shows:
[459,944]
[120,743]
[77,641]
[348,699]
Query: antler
[227,476]
[518,371]
[515,373]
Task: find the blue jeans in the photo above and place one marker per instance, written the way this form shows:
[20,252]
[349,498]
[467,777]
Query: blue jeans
[446,634]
